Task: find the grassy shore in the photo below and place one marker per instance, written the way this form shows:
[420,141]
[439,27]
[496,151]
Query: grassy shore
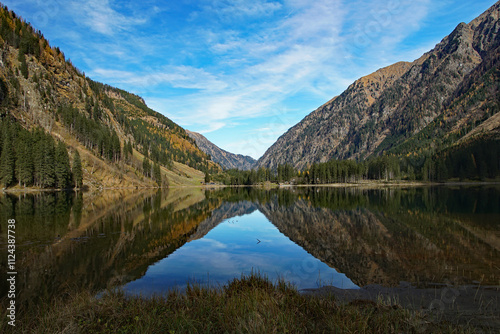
[251,304]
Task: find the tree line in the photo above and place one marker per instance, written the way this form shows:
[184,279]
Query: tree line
[91,132]
[478,160]
[149,139]
[91,125]
[34,158]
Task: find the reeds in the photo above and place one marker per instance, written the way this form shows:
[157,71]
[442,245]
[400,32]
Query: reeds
[250,304]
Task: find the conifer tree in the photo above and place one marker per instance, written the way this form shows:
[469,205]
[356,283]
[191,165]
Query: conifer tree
[125,151]
[157,173]
[146,167]
[115,142]
[77,170]
[24,158]
[61,166]
[44,156]
[24,65]
[130,149]
[7,162]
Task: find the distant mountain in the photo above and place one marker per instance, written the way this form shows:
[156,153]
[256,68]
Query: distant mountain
[121,141]
[448,96]
[226,159]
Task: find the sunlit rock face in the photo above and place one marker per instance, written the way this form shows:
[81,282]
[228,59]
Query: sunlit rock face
[442,93]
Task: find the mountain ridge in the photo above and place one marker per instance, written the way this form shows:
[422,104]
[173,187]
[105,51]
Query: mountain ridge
[122,142]
[387,109]
[224,158]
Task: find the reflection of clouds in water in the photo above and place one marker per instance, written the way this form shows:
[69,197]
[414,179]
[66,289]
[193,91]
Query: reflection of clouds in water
[232,249]
[212,243]
[207,258]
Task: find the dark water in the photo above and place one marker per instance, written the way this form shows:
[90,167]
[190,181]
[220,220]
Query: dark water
[149,242]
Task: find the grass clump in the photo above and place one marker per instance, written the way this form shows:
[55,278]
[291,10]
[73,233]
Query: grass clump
[250,304]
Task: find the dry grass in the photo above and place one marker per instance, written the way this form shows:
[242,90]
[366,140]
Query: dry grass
[251,304]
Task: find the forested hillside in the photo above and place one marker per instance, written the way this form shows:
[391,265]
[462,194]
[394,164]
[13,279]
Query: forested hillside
[52,115]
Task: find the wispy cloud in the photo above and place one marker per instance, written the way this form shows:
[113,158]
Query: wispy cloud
[241,66]
[101,17]
[303,50]
[278,61]
[234,10]
[175,76]
[374,34]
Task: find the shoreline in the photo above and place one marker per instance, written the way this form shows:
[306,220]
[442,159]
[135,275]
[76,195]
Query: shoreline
[367,184]
[254,304]
[466,304]
[376,184]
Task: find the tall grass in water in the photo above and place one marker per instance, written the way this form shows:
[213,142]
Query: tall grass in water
[250,304]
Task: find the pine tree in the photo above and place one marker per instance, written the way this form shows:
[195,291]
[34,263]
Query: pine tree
[61,166]
[442,171]
[115,142]
[44,157]
[157,173]
[24,65]
[146,167]
[7,162]
[130,148]
[125,151]
[77,170]
[24,158]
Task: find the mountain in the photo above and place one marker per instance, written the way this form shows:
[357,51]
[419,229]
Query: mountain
[447,97]
[45,100]
[226,159]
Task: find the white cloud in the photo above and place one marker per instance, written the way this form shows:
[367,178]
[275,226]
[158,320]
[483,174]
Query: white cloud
[235,9]
[317,47]
[213,126]
[376,32]
[240,60]
[99,16]
[175,76]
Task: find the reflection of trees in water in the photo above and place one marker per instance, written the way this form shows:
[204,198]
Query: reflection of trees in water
[41,215]
[388,236]
[102,240]
[376,235]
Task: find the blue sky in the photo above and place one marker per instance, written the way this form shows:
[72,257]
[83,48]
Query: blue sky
[241,72]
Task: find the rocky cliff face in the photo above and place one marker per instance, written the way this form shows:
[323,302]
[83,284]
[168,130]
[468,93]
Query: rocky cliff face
[226,159]
[450,88]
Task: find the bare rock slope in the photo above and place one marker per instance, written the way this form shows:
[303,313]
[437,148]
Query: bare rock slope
[224,158]
[449,89]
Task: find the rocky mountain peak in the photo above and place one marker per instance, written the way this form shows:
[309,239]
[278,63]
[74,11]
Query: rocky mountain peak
[224,158]
[386,110]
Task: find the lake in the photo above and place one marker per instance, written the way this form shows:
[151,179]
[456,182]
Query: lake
[150,241]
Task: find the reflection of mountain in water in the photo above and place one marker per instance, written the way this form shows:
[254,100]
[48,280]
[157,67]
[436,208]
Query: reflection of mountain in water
[102,242]
[371,236]
[226,211]
[105,240]
[386,247]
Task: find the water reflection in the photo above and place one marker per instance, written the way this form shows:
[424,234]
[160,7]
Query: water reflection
[238,246]
[150,241]
[420,235]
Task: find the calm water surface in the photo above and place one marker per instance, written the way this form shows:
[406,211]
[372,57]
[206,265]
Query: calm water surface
[152,241]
